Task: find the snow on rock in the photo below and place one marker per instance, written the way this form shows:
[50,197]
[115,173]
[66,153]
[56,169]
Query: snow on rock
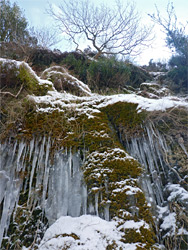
[169,223]
[135,225]
[10,63]
[84,232]
[177,192]
[63,81]
[157,73]
[15,65]
[145,103]
[93,103]
[47,71]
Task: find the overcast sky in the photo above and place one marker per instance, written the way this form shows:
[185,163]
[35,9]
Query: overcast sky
[35,13]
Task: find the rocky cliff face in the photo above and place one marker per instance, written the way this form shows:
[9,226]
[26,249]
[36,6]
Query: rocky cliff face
[78,166]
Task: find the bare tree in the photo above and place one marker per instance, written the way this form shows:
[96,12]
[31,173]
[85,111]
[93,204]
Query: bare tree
[46,37]
[175,31]
[115,30]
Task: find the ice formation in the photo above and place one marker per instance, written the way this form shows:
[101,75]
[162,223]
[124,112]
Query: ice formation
[55,178]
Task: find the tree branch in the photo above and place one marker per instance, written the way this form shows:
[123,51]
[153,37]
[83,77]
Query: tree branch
[8,93]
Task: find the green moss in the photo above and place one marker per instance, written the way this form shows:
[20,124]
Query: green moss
[143,235]
[31,83]
[125,118]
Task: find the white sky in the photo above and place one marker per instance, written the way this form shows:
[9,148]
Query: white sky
[34,11]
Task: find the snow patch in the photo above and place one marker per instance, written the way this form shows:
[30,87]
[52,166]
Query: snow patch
[169,222]
[85,232]
[177,192]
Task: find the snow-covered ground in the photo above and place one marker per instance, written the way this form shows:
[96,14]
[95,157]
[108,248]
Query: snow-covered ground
[92,104]
[85,232]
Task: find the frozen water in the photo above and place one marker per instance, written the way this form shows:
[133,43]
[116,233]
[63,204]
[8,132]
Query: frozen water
[58,187]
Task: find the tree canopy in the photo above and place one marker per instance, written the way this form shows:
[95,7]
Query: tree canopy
[14,34]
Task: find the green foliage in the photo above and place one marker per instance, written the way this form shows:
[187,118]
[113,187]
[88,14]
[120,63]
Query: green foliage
[17,83]
[14,35]
[78,64]
[179,76]
[156,66]
[41,58]
[138,76]
[12,25]
[107,73]
[178,40]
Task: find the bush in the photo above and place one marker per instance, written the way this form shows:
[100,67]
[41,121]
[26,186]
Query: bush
[77,63]
[178,74]
[41,58]
[107,73]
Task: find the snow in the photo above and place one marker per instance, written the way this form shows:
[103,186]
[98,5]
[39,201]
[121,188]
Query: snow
[177,192]
[123,187]
[90,232]
[115,154]
[90,105]
[157,73]
[131,224]
[10,62]
[66,196]
[16,64]
[62,73]
[145,103]
[169,222]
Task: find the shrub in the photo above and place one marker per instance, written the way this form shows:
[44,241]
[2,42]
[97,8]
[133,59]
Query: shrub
[78,64]
[107,73]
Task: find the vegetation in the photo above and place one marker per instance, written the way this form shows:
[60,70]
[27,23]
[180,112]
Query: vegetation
[177,40]
[15,39]
[17,83]
[107,168]
[107,74]
[105,159]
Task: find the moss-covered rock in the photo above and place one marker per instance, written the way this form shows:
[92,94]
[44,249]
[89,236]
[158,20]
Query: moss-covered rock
[63,81]
[14,74]
[98,132]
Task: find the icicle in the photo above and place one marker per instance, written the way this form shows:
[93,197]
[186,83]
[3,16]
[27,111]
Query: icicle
[184,149]
[106,211]
[59,188]
[148,150]
[19,154]
[84,198]
[14,150]
[46,173]
[31,147]
[34,162]
[4,179]
[96,203]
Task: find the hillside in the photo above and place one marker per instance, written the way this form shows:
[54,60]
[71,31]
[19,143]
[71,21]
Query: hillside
[81,169]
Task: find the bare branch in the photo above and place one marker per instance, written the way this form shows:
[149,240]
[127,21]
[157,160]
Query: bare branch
[8,93]
[114,30]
